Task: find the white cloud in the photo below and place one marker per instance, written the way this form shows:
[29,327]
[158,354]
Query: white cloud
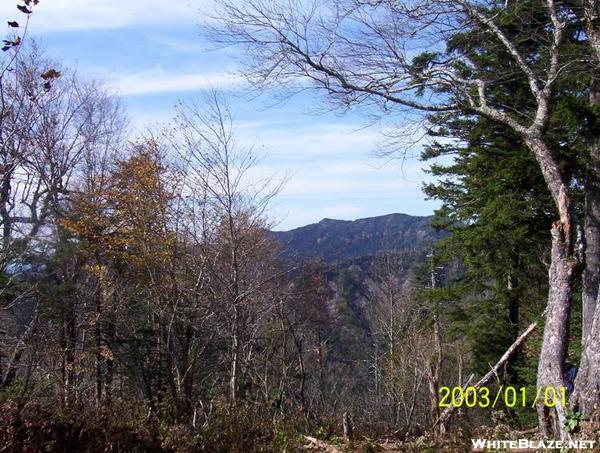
[156,80]
[308,138]
[68,15]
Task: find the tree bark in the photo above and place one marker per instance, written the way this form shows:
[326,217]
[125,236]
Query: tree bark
[591,273]
[98,350]
[348,428]
[12,365]
[586,396]
[563,261]
[554,345]
[69,343]
[435,369]
[233,378]
[435,365]
[512,307]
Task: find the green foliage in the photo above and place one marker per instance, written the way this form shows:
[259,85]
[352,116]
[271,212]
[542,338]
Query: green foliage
[573,421]
[285,440]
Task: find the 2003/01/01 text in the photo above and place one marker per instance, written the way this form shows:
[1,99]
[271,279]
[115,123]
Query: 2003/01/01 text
[507,396]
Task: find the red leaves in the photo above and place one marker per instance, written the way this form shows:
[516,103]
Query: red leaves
[50,74]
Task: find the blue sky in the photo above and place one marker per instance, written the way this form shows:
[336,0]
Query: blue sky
[151,52]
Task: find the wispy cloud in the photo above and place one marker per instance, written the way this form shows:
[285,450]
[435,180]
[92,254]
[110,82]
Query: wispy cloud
[150,52]
[155,81]
[309,137]
[68,15]
[350,179]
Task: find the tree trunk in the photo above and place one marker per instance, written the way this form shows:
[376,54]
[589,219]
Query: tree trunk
[98,349]
[348,428]
[435,369]
[512,305]
[69,343]
[12,365]
[586,396]
[235,346]
[109,361]
[300,352]
[563,261]
[591,273]
[554,345]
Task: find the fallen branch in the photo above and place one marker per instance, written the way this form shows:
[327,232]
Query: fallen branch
[323,446]
[493,372]
[526,432]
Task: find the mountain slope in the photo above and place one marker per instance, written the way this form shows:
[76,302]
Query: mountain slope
[340,240]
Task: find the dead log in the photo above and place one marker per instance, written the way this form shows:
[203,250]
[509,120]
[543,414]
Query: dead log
[315,443]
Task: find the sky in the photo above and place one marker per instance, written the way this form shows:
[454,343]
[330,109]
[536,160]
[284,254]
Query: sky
[153,55]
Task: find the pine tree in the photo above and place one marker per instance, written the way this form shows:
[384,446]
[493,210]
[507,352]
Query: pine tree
[495,201]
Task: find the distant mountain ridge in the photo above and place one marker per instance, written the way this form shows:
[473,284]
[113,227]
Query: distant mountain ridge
[342,240]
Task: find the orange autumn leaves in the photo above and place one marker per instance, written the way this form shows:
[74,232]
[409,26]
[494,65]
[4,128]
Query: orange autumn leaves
[125,215]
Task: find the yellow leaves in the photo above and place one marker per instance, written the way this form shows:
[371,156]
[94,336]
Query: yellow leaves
[106,353]
[126,219]
[98,270]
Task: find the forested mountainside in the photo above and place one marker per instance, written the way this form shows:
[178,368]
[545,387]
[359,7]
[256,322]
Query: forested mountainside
[351,255]
[336,241]
[357,280]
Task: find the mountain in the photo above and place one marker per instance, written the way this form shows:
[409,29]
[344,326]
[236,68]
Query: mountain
[355,274]
[353,266]
[335,241]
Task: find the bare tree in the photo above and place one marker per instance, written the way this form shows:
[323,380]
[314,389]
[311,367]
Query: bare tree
[228,225]
[48,131]
[404,353]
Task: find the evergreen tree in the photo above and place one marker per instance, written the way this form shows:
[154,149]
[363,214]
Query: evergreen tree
[495,201]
